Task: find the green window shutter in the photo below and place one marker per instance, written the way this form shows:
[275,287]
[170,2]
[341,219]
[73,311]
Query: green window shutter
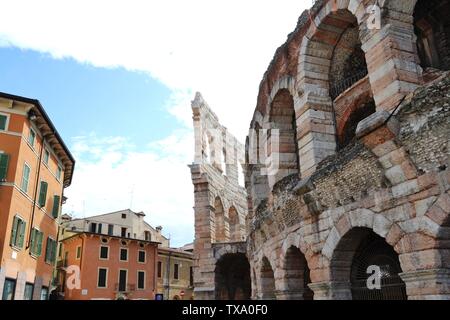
[21,233]
[43,194]
[3,122]
[33,241]
[56,203]
[48,250]
[4,161]
[39,243]
[55,247]
[14,232]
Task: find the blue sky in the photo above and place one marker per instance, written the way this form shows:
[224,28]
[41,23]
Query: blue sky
[81,98]
[118,83]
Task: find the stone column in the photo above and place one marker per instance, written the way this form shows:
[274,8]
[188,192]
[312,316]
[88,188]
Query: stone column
[316,130]
[289,294]
[20,286]
[331,290]
[433,284]
[37,288]
[392,59]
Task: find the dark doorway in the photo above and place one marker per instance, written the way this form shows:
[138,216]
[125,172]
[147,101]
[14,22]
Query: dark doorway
[233,277]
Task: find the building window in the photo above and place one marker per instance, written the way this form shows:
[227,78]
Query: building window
[100,228]
[43,194]
[176,271]
[93,227]
[44,293]
[18,233]
[110,229]
[4,162]
[58,173]
[148,236]
[46,156]
[56,205]
[3,122]
[123,254]
[50,251]
[28,293]
[32,137]
[9,289]
[141,280]
[36,242]
[159,269]
[124,215]
[104,253]
[191,276]
[102,278]
[78,256]
[25,178]
[123,275]
[123,232]
[141,256]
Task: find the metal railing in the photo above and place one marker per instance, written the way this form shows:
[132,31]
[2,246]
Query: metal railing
[392,288]
[343,85]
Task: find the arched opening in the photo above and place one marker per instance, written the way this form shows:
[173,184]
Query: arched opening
[371,266]
[348,61]
[297,276]
[232,277]
[235,226]
[283,121]
[348,132]
[267,281]
[219,221]
[432,28]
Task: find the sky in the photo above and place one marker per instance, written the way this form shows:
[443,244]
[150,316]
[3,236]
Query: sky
[117,78]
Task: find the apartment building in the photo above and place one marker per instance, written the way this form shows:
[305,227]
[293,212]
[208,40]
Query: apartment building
[175,273]
[123,223]
[105,267]
[114,254]
[35,168]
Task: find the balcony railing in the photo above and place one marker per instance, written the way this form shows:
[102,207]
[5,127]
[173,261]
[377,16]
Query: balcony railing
[124,288]
[343,85]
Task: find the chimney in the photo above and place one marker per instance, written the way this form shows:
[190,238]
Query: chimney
[158,229]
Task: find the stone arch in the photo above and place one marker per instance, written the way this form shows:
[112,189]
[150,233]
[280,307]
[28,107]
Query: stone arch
[295,275]
[267,280]
[359,254]
[232,277]
[220,234]
[362,218]
[282,149]
[432,28]
[322,77]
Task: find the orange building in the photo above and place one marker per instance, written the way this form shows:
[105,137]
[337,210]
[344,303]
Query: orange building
[104,267]
[35,167]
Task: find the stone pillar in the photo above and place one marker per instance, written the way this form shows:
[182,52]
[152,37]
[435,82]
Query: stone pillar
[38,282]
[331,290]
[431,284]
[392,59]
[316,131]
[289,294]
[20,286]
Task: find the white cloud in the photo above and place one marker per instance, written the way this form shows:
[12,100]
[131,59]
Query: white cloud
[111,175]
[220,48]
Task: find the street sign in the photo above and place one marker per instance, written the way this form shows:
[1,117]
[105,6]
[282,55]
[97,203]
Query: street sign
[159,297]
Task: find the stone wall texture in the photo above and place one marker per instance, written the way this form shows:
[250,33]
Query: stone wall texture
[385,191]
